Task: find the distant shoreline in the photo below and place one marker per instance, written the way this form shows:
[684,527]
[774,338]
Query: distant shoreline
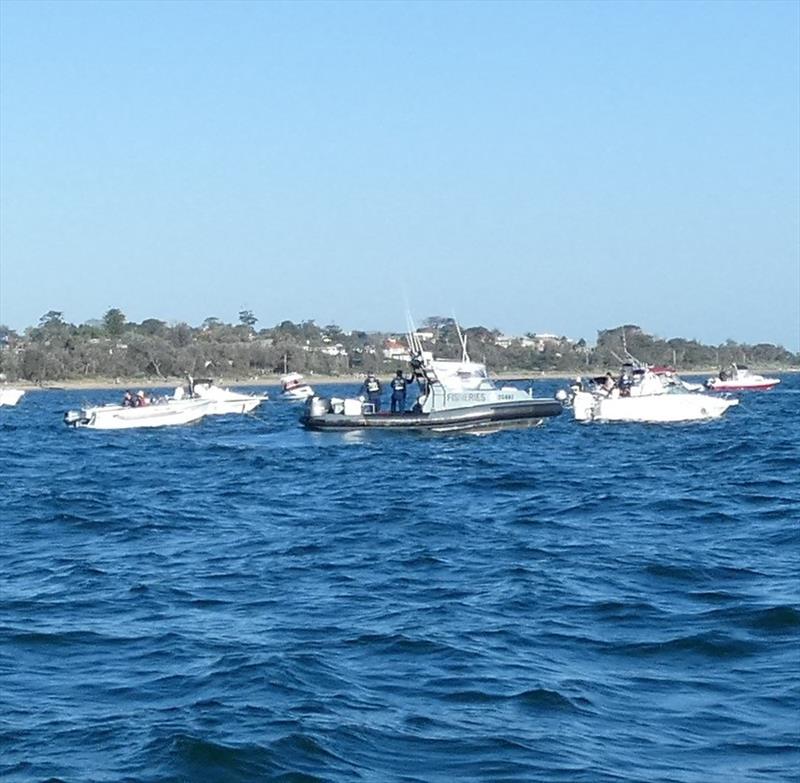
[122,384]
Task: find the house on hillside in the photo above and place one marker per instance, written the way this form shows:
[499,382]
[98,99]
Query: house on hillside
[506,340]
[334,350]
[395,350]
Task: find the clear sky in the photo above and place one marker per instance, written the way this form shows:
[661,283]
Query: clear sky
[552,167]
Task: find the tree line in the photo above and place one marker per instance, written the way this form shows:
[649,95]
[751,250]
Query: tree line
[113,347]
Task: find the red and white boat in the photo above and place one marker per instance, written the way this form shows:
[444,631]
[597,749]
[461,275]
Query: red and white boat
[294,388]
[738,378]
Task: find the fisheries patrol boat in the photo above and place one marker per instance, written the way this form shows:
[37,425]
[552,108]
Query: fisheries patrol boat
[294,388]
[455,396]
[221,401]
[739,378]
[161,413]
[9,396]
[643,396]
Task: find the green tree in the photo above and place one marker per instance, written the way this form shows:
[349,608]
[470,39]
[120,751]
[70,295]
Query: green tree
[333,332]
[52,330]
[52,319]
[246,318]
[152,327]
[114,322]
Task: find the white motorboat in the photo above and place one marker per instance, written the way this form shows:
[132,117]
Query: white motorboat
[643,397]
[159,413]
[455,396]
[739,378]
[294,388]
[9,396]
[222,401]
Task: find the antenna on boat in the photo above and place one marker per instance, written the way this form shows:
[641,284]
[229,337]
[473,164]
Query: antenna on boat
[462,338]
[628,354]
[414,344]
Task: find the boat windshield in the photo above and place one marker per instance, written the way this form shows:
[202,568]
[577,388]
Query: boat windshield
[463,375]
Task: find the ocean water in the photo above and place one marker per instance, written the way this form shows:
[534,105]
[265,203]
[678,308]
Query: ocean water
[241,600]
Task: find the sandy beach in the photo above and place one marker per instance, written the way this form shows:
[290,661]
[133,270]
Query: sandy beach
[260,381]
[273,381]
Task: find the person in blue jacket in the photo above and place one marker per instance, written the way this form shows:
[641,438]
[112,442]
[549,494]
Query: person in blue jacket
[399,387]
[372,388]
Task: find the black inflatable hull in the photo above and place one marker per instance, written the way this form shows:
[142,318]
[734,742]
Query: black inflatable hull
[483,418]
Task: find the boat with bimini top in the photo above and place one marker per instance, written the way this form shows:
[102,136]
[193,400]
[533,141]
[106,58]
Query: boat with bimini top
[454,396]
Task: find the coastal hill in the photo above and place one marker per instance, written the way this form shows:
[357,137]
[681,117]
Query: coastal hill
[153,350]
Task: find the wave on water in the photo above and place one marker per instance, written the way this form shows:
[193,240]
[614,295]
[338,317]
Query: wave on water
[243,600]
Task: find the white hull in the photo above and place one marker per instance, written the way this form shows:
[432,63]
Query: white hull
[649,408]
[299,394]
[117,417]
[10,396]
[224,401]
[224,407]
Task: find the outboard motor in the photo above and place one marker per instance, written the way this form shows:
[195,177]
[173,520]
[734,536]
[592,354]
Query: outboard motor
[317,406]
[73,418]
[583,405]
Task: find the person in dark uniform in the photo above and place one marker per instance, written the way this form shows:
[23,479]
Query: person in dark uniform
[399,386]
[372,388]
[625,383]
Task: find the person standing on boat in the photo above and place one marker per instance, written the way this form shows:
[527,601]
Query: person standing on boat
[372,388]
[399,387]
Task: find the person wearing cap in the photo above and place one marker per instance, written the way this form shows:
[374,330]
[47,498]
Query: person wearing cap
[372,388]
[399,386]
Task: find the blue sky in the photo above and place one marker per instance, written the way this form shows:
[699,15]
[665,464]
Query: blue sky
[554,167]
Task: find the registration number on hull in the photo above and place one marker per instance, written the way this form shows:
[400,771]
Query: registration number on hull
[478,397]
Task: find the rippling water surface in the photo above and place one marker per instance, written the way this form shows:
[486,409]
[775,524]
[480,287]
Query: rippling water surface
[241,600]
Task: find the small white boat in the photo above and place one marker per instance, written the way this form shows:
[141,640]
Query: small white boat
[163,413]
[646,398]
[222,401]
[294,388]
[9,396]
[739,378]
